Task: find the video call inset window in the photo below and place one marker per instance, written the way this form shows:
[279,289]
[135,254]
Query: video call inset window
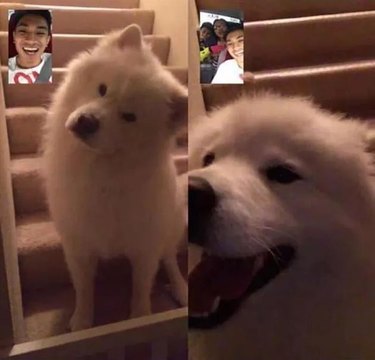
[30,46]
[221,42]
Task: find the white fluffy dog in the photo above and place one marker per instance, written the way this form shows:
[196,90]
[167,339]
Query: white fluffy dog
[110,176]
[282,200]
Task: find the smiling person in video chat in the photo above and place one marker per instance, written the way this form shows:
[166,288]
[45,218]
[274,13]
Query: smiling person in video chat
[31,35]
[231,71]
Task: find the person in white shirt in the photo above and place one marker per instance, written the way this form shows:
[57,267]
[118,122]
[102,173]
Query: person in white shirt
[231,71]
[31,35]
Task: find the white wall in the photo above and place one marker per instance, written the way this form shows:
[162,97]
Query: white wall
[171,19]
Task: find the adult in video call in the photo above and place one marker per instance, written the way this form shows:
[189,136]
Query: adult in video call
[231,71]
[31,35]
[219,51]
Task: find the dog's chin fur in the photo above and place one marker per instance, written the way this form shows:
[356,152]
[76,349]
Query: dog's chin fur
[114,192]
[322,306]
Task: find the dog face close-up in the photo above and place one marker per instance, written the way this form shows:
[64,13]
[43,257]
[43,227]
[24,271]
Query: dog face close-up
[114,92]
[280,195]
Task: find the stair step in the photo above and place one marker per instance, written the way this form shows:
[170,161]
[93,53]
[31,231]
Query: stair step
[276,44]
[181,160]
[39,244]
[20,95]
[24,126]
[85,3]
[47,313]
[66,46]
[347,87]
[96,21]
[28,191]
[276,9]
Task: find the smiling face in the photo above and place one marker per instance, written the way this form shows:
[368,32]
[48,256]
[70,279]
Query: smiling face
[220,28]
[205,33]
[31,38]
[272,176]
[235,46]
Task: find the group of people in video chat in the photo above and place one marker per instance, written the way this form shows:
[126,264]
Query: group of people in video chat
[222,52]
[221,49]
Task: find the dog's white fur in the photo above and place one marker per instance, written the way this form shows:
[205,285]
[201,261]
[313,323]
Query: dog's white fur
[116,193]
[322,307]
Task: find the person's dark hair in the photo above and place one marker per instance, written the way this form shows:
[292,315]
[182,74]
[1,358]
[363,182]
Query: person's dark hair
[208,26]
[19,14]
[233,27]
[212,40]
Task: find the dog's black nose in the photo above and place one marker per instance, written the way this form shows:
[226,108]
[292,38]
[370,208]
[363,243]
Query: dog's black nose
[85,126]
[202,202]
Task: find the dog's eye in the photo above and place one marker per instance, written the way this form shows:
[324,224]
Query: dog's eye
[208,159]
[282,174]
[129,117]
[102,89]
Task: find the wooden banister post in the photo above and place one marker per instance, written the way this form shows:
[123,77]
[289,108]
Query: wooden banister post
[11,317]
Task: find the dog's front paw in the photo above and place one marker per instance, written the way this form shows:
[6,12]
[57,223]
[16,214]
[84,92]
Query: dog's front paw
[180,293]
[139,310]
[80,320]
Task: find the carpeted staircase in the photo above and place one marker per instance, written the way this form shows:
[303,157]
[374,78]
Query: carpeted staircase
[318,48]
[48,296]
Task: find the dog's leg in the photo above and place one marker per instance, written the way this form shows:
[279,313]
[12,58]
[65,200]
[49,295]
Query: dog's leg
[144,269]
[82,269]
[178,283]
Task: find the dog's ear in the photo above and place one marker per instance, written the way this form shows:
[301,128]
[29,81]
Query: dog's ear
[131,36]
[179,109]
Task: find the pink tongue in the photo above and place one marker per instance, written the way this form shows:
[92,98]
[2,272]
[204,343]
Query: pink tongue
[213,277]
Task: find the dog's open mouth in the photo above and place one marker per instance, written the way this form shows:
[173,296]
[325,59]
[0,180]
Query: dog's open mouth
[217,286]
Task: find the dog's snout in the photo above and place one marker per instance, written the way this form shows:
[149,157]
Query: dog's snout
[202,201]
[202,196]
[85,125]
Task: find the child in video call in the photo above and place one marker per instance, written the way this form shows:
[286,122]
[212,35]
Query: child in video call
[207,38]
[31,35]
